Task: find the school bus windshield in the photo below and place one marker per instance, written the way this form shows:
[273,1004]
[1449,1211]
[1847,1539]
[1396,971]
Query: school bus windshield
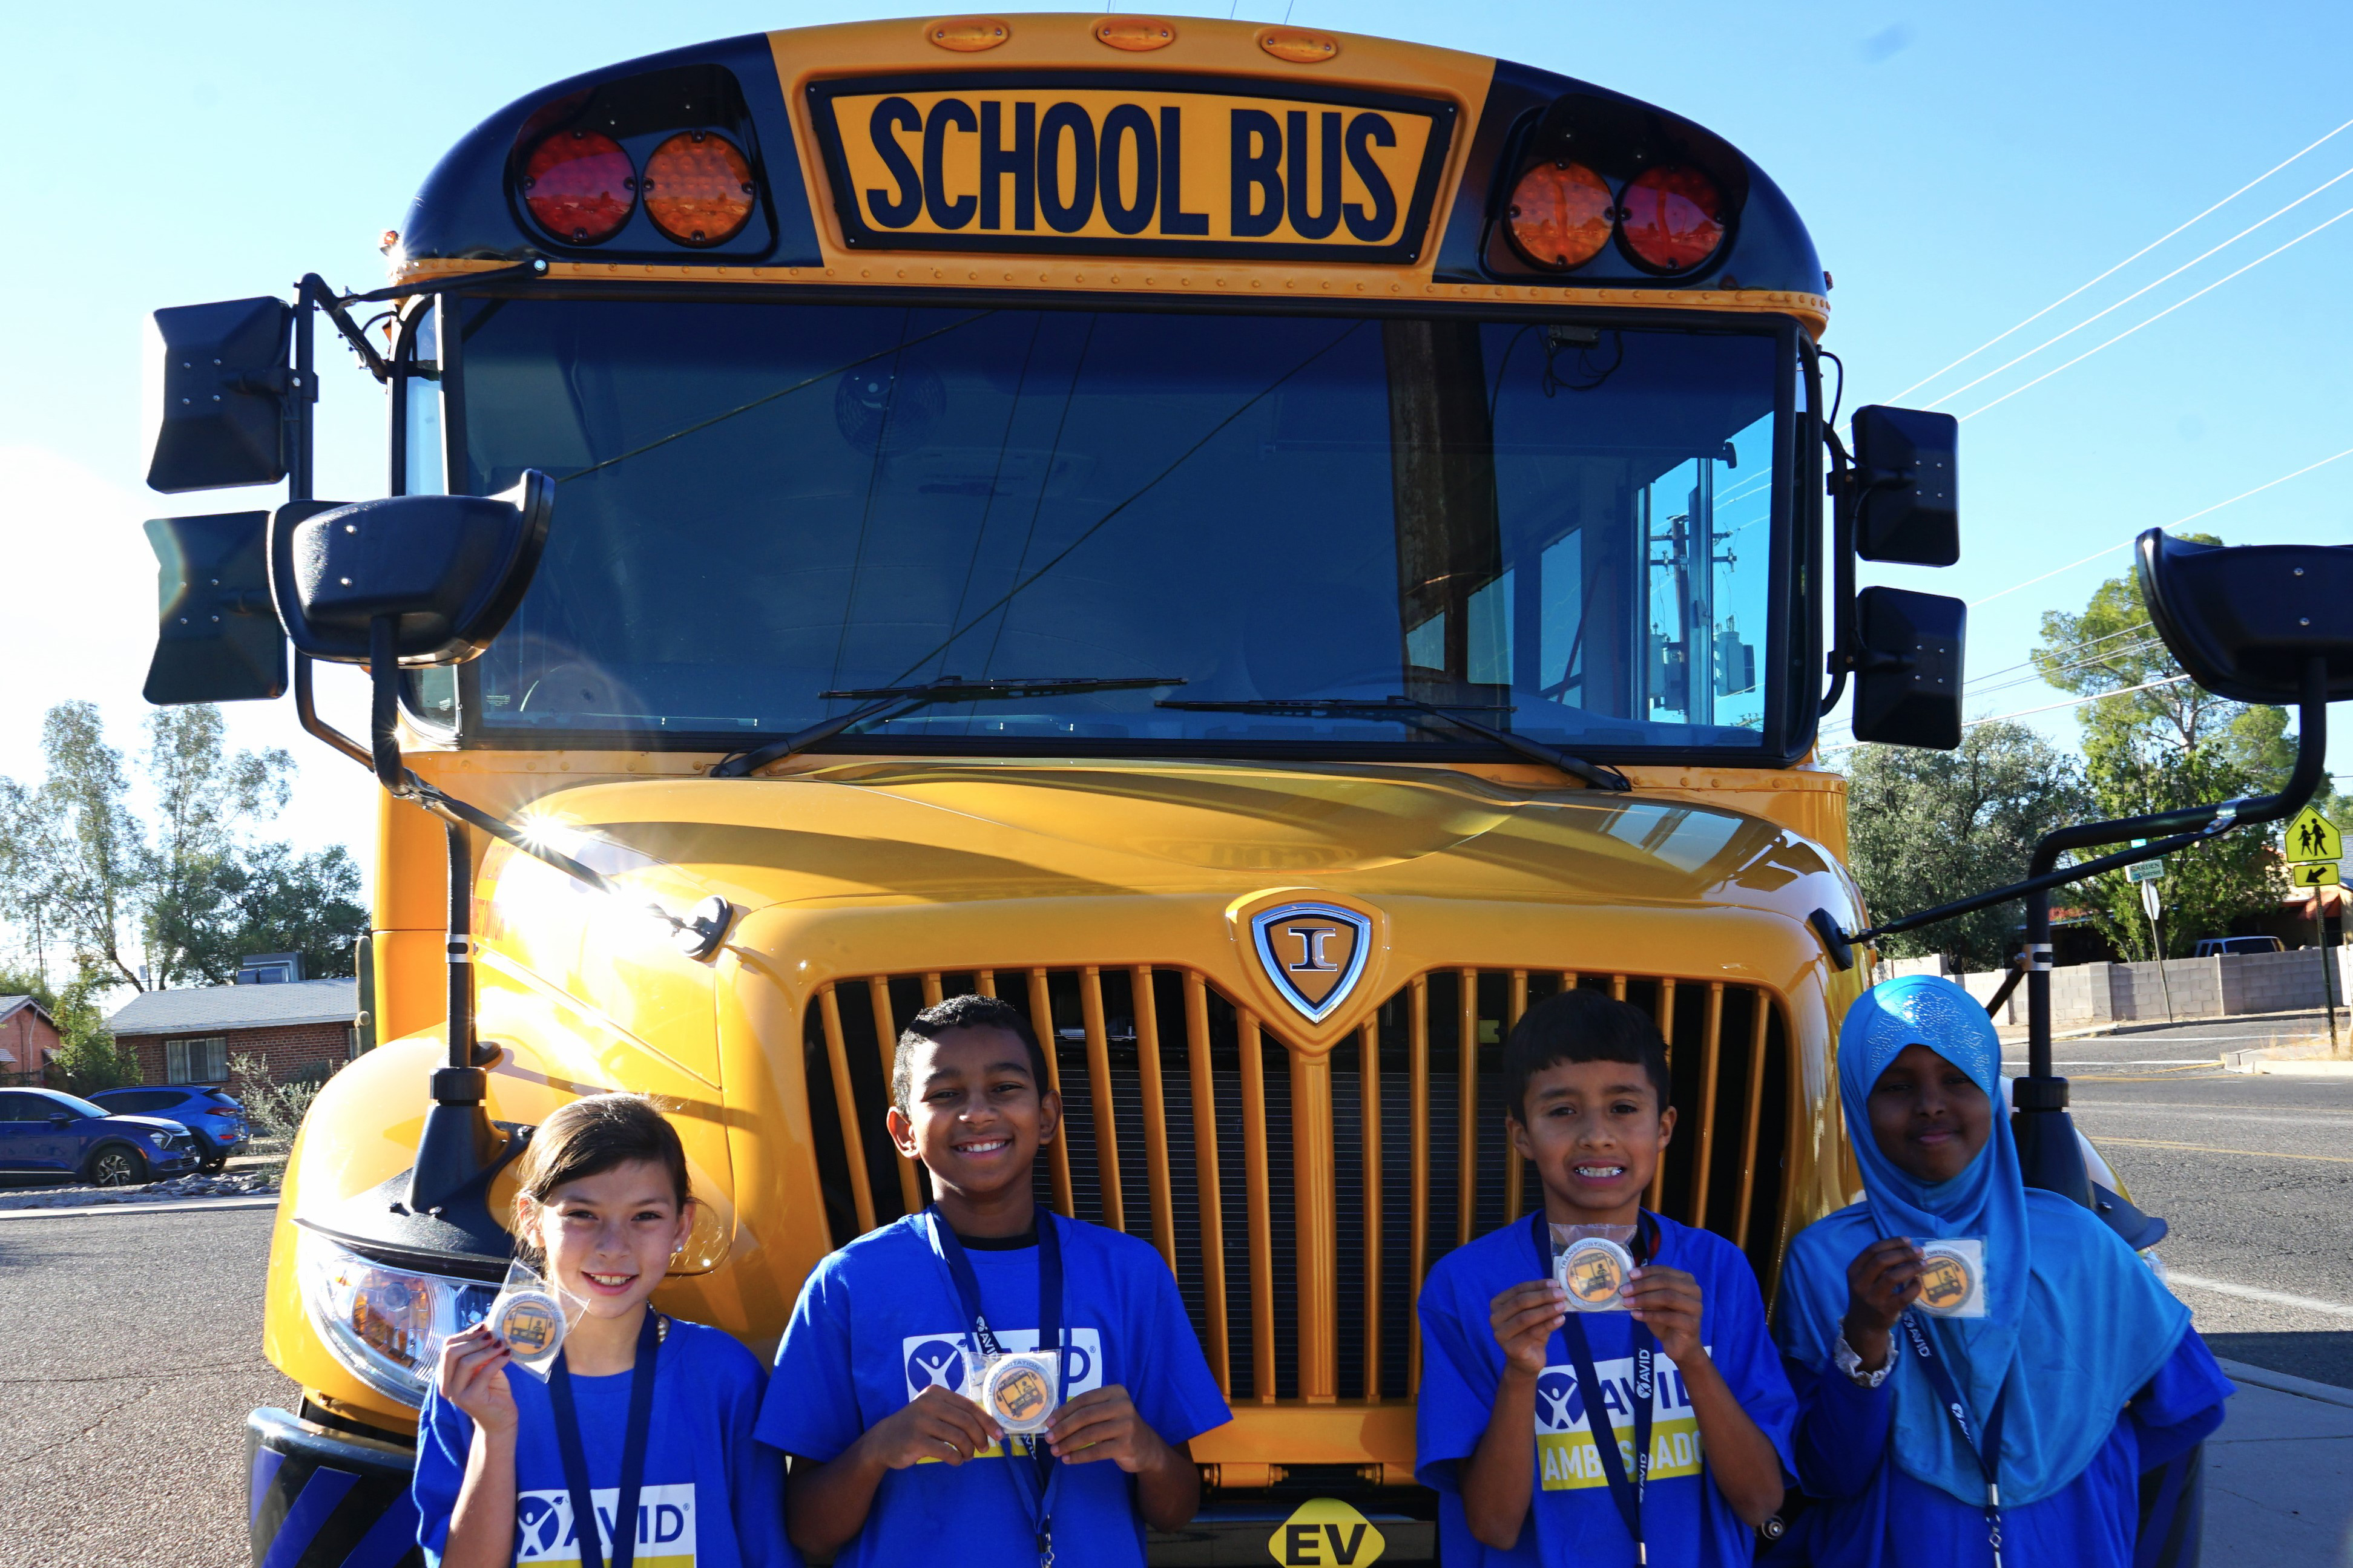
[1565,528]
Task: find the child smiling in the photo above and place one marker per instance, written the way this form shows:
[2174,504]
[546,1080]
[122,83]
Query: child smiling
[2017,1435]
[869,1387]
[643,1420]
[1533,1418]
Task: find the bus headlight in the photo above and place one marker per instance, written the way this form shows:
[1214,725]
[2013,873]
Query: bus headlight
[384,1321]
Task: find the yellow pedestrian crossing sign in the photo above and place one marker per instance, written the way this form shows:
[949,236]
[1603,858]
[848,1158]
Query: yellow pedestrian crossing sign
[2311,837]
[2315,874]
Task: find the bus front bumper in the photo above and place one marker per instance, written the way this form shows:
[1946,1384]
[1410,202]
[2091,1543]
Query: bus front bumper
[322,1496]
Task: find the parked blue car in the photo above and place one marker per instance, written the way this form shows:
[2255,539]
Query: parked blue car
[46,1132]
[216,1122]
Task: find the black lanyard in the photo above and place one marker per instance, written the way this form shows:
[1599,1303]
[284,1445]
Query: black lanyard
[1988,1457]
[1040,1483]
[1627,1494]
[633,1452]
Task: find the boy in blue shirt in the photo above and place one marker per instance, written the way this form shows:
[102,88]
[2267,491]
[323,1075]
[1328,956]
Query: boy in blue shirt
[892,1464]
[1531,1417]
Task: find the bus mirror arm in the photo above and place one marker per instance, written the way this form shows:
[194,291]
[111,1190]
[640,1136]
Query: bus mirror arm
[2049,1154]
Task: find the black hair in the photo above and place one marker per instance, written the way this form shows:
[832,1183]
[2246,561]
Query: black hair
[968,1012]
[588,1138]
[1580,1026]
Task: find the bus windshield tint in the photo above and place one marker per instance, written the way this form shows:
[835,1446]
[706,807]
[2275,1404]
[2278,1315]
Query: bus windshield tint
[1565,530]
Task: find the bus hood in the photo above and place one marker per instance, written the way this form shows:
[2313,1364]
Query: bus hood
[949,847]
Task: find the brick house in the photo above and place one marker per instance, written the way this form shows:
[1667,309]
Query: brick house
[28,1039]
[301,1029]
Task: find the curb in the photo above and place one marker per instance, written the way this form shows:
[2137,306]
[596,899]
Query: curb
[2150,1026]
[2286,1382]
[171,1205]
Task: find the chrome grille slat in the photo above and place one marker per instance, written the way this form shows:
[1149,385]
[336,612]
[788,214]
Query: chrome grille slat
[1300,1198]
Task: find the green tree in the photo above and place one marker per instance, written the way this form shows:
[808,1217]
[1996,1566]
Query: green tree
[1927,827]
[2153,742]
[75,852]
[88,1058]
[274,901]
[197,868]
[196,890]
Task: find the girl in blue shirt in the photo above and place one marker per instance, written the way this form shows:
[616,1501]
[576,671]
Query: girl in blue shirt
[2082,1374]
[644,1421]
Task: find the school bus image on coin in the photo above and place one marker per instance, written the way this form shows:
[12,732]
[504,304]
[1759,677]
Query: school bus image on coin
[1333,420]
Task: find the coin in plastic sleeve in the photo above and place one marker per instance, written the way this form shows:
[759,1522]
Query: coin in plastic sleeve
[531,1322]
[1017,1390]
[1952,1278]
[1593,1271]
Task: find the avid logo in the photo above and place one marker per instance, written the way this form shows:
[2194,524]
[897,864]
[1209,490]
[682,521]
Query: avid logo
[937,1361]
[665,1526]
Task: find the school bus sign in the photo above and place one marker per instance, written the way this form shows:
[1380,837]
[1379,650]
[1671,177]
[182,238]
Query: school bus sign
[1121,167]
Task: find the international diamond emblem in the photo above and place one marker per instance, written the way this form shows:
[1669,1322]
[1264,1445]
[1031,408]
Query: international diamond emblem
[1313,952]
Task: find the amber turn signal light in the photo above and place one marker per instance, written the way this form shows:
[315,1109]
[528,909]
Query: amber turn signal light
[579,187]
[1674,219]
[699,188]
[1560,214]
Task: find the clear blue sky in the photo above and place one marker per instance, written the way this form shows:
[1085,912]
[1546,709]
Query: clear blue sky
[1961,167]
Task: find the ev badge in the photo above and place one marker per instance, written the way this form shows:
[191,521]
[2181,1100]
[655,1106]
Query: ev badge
[1314,954]
[1326,1533]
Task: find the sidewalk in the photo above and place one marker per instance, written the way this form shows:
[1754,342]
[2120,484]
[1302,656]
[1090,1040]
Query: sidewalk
[2279,1475]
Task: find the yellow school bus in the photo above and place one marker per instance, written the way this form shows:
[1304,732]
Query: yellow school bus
[1274,550]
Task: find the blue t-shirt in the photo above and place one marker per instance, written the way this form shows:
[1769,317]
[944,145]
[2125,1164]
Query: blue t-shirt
[712,1497]
[1879,1516]
[878,1321]
[1571,1516]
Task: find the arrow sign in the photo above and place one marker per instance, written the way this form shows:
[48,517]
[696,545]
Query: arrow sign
[2315,874]
[2312,836]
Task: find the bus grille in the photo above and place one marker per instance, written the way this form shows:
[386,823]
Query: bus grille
[1187,1121]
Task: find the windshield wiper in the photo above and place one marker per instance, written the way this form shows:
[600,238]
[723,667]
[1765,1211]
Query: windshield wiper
[1409,709]
[882,703]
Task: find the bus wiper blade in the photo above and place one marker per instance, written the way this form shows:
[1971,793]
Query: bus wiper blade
[885,702]
[1408,709]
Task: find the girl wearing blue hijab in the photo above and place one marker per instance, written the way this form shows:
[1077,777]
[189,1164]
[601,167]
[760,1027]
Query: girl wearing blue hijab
[2084,1370]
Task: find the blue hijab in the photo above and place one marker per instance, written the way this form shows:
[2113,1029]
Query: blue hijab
[2075,1323]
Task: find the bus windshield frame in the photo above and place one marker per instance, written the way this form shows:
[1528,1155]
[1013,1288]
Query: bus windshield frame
[1781,658]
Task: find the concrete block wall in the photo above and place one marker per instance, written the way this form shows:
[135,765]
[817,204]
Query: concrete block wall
[2086,994]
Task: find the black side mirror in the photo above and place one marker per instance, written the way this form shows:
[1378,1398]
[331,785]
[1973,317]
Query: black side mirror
[60,1119]
[1908,463]
[1907,685]
[2244,621]
[218,638]
[441,573]
[219,408]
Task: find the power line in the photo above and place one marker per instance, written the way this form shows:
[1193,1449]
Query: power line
[2177,522]
[2144,289]
[2119,267]
[2049,708]
[2084,647]
[2128,331]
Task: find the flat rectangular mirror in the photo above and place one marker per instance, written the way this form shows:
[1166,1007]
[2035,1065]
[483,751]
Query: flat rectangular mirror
[1909,510]
[1907,688]
[216,637]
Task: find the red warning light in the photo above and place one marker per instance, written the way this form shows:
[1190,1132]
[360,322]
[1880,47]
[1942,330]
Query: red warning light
[1673,218]
[1559,214]
[580,186]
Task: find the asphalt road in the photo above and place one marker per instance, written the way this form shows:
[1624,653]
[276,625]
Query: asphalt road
[2253,1173]
[131,1354]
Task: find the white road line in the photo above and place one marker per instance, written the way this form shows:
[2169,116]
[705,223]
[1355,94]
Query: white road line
[2126,1062]
[2338,1122]
[2256,1293]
